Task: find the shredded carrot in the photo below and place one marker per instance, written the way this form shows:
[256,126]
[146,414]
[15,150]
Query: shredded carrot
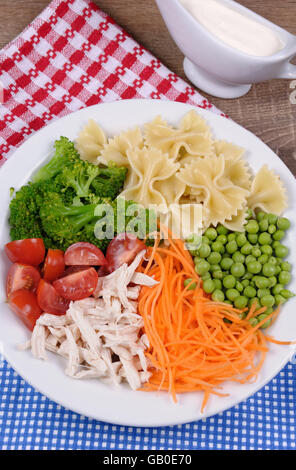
[192,348]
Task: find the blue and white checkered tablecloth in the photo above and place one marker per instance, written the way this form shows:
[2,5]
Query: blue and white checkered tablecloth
[28,420]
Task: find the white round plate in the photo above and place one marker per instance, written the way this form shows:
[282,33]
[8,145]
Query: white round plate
[91,397]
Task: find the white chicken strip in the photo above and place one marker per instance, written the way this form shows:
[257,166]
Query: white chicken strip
[101,336]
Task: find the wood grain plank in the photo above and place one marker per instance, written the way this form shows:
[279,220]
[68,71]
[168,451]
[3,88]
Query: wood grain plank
[266,110]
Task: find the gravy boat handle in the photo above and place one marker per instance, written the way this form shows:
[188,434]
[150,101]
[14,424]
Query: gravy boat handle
[288,71]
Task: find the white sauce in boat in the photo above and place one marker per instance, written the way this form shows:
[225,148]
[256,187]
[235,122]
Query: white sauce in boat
[234,28]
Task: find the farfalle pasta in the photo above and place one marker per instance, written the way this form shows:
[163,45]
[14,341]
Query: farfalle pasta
[221,198]
[192,137]
[91,141]
[148,167]
[268,193]
[115,150]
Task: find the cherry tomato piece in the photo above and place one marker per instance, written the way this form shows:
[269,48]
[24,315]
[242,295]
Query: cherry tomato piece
[24,304]
[22,276]
[84,254]
[49,299]
[29,251]
[54,265]
[77,285]
[123,249]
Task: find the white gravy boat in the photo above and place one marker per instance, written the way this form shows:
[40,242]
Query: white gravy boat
[214,66]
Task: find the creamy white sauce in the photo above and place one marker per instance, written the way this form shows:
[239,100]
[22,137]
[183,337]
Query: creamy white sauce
[234,28]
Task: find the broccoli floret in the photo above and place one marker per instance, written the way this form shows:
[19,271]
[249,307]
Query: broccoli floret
[24,216]
[65,155]
[109,181]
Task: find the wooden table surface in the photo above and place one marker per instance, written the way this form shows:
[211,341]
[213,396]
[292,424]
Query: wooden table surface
[266,110]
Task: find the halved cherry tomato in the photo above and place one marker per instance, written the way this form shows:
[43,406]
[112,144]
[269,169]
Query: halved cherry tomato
[54,265]
[77,285]
[22,276]
[84,254]
[123,249]
[24,304]
[29,251]
[49,299]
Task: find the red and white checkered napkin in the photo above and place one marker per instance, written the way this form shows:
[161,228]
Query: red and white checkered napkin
[71,56]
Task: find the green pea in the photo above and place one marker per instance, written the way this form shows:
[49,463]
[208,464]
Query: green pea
[217,274]
[263,259]
[272,281]
[253,238]
[261,317]
[267,300]
[250,292]
[272,218]
[205,240]
[264,238]
[204,250]
[281,251]
[218,284]
[268,270]
[217,247]
[238,257]
[252,226]
[237,269]
[261,215]
[218,295]
[246,249]
[277,270]
[222,230]
[261,282]
[211,233]
[253,321]
[256,301]
[232,294]
[283,223]
[192,285]
[239,286]
[250,259]
[241,302]
[231,247]
[272,260]
[278,235]
[221,239]
[285,266]
[202,267]
[287,294]
[209,286]
[277,289]
[229,281]
[206,276]
[284,277]
[245,283]
[272,229]
[241,239]
[262,293]
[275,244]
[231,237]
[266,249]
[279,299]
[214,258]
[226,263]
[256,252]
[263,225]
[248,276]
[254,267]
[215,267]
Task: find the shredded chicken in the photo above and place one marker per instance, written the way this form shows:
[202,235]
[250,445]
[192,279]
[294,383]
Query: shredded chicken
[101,336]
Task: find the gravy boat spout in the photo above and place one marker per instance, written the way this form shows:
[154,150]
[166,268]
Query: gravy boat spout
[215,66]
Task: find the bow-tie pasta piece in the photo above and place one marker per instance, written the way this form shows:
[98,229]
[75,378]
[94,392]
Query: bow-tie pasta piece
[238,172]
[268,193]
[192,137]
[115,150]
[221,198]
[90,141]
[236,223]
[148,166]
[171,188]
[229,150]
